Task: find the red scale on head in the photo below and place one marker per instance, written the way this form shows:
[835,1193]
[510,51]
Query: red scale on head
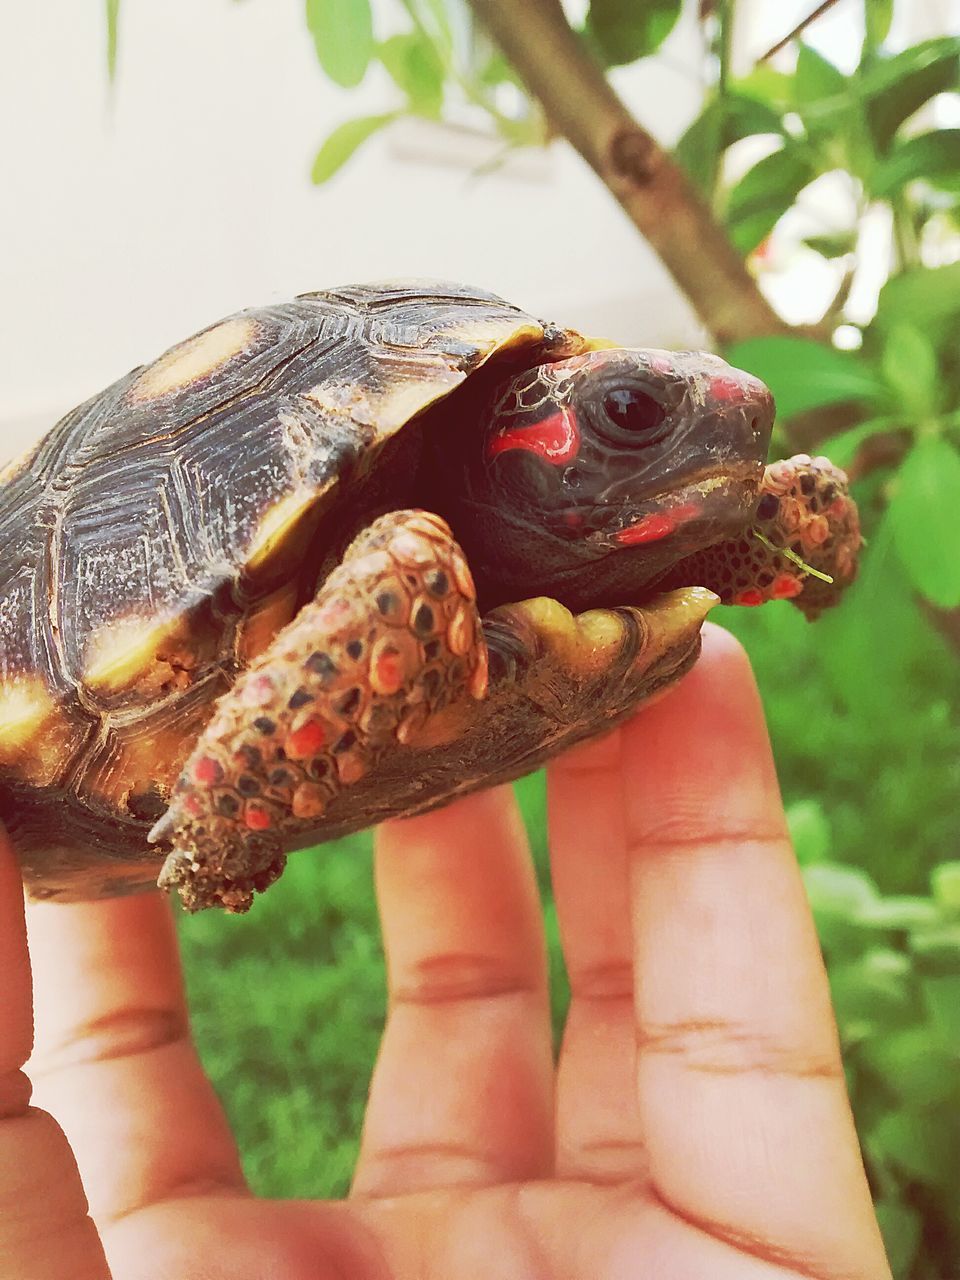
[724,388]
[658,524]
[555,439]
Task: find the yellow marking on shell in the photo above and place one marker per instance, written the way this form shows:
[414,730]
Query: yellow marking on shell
[194,359]
[121,653]
[601,344]
[25,708]
[139,756]
[20,463]
[400,402]
[278,528]
[495,333]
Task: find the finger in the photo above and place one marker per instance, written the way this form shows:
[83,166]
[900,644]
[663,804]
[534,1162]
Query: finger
[462,1092]
[45,1231]
[114,1060]
[741,1093]
[598,1123]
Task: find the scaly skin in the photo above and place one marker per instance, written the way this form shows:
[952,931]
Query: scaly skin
[804,505]
[391,651]
[392,655]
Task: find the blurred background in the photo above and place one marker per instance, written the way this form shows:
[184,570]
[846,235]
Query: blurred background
[166,164]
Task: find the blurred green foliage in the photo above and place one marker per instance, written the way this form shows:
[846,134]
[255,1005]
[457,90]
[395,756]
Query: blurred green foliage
[862,707]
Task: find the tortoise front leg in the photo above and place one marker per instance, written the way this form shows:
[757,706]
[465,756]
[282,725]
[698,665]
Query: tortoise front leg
[390,653]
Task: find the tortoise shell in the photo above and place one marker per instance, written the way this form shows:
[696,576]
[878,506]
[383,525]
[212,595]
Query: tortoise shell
[151,544]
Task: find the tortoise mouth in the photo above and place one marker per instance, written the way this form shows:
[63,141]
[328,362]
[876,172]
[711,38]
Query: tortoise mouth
[713,505]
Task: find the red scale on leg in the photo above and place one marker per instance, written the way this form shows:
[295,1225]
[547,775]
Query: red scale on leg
[785,586]
[258,692]
[207,771]
[306,741]
[257,817]
[749,596]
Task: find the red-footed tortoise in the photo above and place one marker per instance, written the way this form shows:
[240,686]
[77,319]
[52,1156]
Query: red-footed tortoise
[234,620]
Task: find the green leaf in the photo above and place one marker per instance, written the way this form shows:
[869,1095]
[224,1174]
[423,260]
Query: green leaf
[938,949]
[844,446]
[894,88]
[898,911]
[825,99]
[833,246]
[869,649]
[914,1067]
[942,998]
[343,142]
[624,30]
[900,1225]
[113,17]
[929,156]
[723,121]
[816,78]
[945,883]
[870,991]
[432,17]
[415,68]
[909,364]
[838,890]
[877,16]
[924,514]
[764,194]
[774,88]
[924,1145]
[809,831]
[804,374]
[342,32]
[927,298]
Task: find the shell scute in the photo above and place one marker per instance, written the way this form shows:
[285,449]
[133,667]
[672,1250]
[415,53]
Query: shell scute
[151,542]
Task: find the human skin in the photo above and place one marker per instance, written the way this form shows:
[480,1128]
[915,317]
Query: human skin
[695,1127]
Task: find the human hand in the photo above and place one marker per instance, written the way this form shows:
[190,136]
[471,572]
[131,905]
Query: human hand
[696,1127]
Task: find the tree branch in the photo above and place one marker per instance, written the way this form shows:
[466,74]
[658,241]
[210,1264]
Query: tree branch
[654,192]
[799,29]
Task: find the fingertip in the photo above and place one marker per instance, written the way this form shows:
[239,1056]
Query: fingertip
[724,663]
[698,762]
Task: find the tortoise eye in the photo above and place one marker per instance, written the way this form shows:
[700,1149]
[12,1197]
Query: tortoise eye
[632,416]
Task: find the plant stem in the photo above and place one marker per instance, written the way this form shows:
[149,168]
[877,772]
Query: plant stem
[726,17]
[580,105]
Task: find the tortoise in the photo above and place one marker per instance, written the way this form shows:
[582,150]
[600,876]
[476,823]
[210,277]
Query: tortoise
[349,556]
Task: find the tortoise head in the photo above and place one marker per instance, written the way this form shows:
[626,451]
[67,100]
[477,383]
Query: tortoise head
[591,476]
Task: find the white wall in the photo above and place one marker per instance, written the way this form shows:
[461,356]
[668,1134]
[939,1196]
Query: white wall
[129,220]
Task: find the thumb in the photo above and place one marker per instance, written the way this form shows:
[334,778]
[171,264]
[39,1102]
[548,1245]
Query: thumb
[45,1230]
